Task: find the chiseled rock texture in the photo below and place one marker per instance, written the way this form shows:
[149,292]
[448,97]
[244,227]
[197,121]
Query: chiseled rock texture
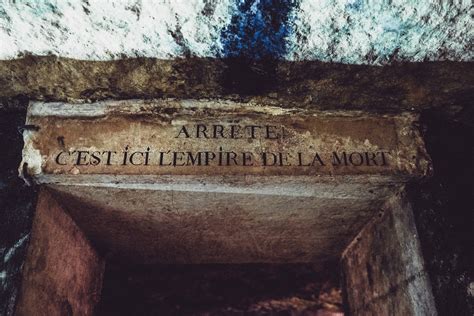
[384,270]
[17,202]
[306,84]
[217,138]
[63,273]
[442,206]
[355,31]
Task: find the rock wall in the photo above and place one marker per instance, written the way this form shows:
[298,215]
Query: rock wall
[305,84]
[63,272]
[442,208]
[17,202]
[384,271]
[355,31]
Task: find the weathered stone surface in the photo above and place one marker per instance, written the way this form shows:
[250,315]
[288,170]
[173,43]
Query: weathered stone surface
[63,273]
[442,207]
[335,30]
[17,203]
[384,272]
[215,138]
[305,84]
[188,226]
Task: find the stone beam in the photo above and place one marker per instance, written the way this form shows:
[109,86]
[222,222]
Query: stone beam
[216,138]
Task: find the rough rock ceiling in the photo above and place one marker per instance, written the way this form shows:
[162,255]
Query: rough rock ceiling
[353,31]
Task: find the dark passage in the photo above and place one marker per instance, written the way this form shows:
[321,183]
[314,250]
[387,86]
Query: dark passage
[219,290]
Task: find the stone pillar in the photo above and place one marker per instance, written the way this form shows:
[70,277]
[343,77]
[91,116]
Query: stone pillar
[383,268]
[63,273]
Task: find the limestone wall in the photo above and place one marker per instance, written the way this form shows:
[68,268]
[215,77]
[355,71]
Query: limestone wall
[354,32]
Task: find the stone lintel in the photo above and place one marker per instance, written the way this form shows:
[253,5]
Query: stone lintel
[217,138]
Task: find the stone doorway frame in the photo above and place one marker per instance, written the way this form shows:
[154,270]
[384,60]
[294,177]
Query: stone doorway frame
[382,268]
[383,271]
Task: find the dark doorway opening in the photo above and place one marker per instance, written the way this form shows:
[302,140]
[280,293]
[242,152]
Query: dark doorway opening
[220,289]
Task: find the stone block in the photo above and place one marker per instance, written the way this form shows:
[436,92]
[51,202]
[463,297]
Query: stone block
[62,274]
[383,268]
[210,138]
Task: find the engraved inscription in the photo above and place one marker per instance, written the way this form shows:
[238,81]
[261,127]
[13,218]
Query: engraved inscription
[149,155]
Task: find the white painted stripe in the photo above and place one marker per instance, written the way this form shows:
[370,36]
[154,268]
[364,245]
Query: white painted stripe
[140,106]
